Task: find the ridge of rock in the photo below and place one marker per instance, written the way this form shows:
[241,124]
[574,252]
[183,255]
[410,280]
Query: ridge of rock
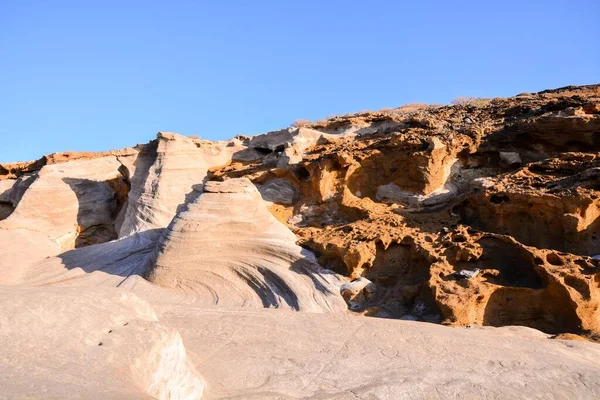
[482,213]
[238,254]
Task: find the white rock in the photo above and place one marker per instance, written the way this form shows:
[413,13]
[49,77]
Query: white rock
[358,292]
[163,175]
[278,191]
[290,144]
[304,355]
[511,158]
[63,200]
[65,343]
[238,254]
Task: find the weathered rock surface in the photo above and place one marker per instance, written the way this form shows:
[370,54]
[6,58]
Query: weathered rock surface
[72,343]
[480,213]
[67,199]
[278,191]
[163,174]
[508,187]
[67,205]
[228,249]
[273,354]
[17,169]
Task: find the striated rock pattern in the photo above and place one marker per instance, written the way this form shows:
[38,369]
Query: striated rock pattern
[62,206]
[227,248]
[483,213]
[163,174]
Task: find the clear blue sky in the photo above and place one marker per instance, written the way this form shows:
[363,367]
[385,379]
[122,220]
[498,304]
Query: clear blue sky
[95,75]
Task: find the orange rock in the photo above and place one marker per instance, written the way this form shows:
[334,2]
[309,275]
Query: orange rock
[523,208]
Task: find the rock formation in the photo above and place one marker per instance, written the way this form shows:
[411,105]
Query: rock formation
[163,173]
[227,248]
[483,213]
[414,200]
[64,206]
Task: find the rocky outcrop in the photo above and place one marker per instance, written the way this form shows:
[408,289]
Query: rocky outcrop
[18,169]
[163,175]
[67,200]
[227,249]
[284,147]
[407,199]
[485,213]
[549,204]
[64,206]
[506,187]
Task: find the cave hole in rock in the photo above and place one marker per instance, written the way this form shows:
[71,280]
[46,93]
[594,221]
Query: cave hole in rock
[402,275]
[550,312]
[263,150]
[554,259]
[330,259]
[279,149]
[579,284]
[546,171]
[513,265]
[385,167]
[499,199]
[459,238]
[302,173]
[114,194]
[267,150]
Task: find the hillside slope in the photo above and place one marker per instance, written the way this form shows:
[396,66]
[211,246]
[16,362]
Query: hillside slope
[481,213]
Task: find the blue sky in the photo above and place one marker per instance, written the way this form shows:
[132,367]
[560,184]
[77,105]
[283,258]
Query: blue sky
[95,75]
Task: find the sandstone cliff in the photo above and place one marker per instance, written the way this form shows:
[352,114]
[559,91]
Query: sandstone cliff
[480,213]
[483,212]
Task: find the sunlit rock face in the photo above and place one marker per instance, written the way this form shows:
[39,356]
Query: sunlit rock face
[63,206]
[228,249]
[163,176]
[277,265]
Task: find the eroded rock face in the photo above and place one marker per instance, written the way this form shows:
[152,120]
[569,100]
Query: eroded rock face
[547,204]
[61,207]
[472,214]
[508,189]
[67,199]
[18,169]
[163,175]
[6,206]
[278,191]
[227,249]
